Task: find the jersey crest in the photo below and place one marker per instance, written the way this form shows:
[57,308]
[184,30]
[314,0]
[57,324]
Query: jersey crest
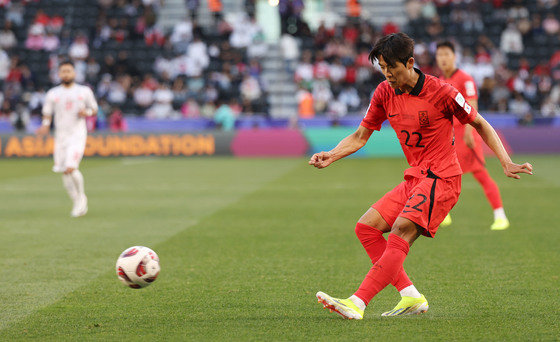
[423,118]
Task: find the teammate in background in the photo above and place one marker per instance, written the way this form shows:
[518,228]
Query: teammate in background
[70,103]
[468,143]
[420,108]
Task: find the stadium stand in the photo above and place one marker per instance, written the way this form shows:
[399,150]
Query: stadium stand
[185,58]
[507,46]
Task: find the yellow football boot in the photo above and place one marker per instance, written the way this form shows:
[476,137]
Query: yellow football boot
[446,221]
[409,306]
[500,224]
[344,307]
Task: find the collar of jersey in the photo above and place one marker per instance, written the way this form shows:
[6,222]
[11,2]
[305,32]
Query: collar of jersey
[419,84]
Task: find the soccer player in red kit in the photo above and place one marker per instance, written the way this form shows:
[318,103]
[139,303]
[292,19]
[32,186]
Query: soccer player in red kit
[468,143]
[420,108]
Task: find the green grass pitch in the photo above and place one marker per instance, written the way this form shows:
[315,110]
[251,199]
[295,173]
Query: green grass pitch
[246,243]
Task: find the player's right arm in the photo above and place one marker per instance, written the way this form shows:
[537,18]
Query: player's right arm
[48,110]
[468,137]
[345,147]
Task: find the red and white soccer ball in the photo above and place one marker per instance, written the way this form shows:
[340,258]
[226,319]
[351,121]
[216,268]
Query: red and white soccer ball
[137,267]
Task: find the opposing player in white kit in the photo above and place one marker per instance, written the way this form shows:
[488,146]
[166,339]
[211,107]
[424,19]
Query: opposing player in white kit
[70,103]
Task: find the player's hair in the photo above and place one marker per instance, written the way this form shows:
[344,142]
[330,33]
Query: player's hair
[395,47]
[447,44]
[65,62]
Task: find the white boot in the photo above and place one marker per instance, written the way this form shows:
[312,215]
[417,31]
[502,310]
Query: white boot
[80,207]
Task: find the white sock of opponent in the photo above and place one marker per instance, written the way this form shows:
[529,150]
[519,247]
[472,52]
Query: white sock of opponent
[78,179]
[410,291]
[70,187]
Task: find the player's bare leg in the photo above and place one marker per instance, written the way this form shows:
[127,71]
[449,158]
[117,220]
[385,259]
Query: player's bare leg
[80,204]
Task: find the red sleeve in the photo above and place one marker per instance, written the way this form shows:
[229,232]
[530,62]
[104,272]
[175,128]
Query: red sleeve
[457,106]
[375,114]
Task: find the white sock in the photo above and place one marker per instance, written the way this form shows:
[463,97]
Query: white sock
[410,291]
[499,214]
[358,302]
[70,187]
[78,179]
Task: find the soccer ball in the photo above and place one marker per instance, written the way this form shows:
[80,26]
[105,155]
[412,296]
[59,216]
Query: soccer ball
[137,267]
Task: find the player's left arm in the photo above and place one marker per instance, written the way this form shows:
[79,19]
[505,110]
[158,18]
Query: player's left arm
[493,141]
[90,108]
[468,88]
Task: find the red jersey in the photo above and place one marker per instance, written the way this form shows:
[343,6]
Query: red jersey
[471,159]
[464,83]
[423,123]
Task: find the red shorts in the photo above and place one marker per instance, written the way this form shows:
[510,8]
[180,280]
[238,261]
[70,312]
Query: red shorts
[424,201]
[471,159]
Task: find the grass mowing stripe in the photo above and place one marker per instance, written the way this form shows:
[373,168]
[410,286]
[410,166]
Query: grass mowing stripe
[20,168]
[51,254]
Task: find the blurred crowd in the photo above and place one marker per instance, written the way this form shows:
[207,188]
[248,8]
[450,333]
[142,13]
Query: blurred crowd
[333,72]
[135,66]
[511,48]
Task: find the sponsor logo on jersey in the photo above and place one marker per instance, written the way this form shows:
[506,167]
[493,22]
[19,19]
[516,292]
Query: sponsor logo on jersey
[460,99]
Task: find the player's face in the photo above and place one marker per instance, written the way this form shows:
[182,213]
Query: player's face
[445,59]
[396,75]
[66,73]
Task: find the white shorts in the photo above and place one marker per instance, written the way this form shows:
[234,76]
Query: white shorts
[68,153]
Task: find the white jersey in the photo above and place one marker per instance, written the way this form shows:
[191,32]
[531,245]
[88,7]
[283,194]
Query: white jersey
[65,104]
